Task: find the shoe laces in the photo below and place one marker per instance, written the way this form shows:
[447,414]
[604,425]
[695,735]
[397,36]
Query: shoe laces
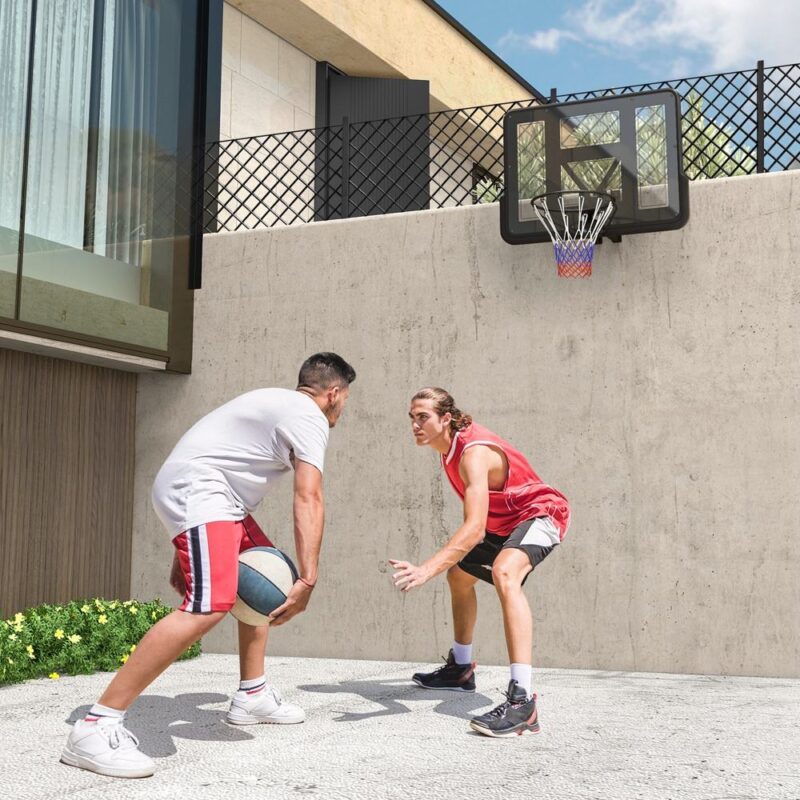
[500,710]
[445,666]
[118,735]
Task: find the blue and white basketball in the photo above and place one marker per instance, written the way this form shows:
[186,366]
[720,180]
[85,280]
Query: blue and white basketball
[265,577]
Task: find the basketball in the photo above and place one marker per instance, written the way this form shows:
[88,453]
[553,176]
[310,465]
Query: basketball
[265,577]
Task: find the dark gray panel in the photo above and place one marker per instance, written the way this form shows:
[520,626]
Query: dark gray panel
[376,156]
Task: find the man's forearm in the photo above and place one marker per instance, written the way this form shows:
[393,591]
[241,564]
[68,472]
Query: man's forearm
[463,540]
[309,521]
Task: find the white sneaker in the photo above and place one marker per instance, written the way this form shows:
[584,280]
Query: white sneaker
[106,747]
[266,706]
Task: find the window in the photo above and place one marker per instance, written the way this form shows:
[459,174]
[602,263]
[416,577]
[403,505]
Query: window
[96,165]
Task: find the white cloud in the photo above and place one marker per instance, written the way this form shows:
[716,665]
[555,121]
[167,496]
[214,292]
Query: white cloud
[549,41]
[717,34]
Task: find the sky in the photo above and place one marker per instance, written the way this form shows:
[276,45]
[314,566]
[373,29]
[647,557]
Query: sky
[593,44]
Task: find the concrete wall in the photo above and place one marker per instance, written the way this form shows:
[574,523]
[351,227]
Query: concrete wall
[661,396]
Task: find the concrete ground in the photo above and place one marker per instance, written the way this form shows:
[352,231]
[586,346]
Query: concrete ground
[370,733]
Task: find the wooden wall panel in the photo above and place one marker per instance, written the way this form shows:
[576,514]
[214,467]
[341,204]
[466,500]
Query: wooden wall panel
[66,480]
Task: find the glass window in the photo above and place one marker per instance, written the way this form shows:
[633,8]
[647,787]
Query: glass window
[105,193]
[15,26]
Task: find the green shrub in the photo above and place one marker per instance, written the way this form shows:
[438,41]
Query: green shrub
[78,638]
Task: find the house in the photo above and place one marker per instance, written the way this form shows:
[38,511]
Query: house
[101,219]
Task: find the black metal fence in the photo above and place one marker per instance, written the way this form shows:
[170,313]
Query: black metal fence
[354,169]
[734,123]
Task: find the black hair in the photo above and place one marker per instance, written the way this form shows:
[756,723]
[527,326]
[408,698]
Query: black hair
[323,370]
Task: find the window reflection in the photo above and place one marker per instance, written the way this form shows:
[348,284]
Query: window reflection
[108,178]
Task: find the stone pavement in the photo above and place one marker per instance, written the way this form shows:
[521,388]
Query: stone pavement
[370,733]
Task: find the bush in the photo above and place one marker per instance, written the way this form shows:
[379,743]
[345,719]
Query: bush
[78,638]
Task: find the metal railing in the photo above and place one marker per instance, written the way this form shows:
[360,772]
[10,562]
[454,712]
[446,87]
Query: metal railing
[734,123]
[354,169]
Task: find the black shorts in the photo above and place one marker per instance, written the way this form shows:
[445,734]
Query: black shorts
[537,544]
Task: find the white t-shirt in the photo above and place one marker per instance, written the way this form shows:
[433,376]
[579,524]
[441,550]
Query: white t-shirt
[223,465]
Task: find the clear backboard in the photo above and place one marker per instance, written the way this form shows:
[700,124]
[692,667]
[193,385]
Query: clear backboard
[626,146]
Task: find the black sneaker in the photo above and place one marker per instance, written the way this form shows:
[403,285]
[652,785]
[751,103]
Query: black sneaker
[451,677]
[515,716]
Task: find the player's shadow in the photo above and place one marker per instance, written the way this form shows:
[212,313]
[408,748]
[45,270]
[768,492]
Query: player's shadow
[390,695]
[157,720]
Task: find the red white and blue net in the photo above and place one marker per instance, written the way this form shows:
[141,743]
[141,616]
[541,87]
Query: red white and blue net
[574,220]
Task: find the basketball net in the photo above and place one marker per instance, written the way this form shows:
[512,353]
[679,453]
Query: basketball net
[575,233]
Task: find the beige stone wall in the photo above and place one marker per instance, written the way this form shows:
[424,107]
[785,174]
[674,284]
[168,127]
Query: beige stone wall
[268,85]
[661,396]
[390,39]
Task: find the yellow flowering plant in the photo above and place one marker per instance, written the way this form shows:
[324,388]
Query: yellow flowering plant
[75,638]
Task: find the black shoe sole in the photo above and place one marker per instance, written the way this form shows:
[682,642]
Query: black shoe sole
[445,688]
[520,731]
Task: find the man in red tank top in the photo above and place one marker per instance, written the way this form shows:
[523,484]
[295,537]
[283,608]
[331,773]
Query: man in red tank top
[512,522]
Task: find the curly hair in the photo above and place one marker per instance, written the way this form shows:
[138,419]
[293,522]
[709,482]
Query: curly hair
[443,403]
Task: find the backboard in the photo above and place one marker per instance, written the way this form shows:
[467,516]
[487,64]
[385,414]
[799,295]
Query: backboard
[628,146]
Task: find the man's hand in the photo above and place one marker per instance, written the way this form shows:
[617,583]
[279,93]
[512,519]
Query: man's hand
[474,470]
[408,576]
[296,601]
[176,579]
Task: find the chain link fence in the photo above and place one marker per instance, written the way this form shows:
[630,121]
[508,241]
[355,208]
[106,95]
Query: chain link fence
[734,123]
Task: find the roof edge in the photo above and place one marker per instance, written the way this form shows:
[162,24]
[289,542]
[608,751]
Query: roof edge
[487,51]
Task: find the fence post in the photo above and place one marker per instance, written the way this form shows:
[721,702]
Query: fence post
[345,167]
[760,117]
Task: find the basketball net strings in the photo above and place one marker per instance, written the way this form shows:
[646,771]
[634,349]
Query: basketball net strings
[582,236]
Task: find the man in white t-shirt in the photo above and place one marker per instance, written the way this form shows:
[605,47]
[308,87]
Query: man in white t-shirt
[204,494]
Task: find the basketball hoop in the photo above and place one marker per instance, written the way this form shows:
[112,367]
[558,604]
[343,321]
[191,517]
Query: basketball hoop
[574,220]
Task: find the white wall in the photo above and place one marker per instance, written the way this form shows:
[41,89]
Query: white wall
[268,86]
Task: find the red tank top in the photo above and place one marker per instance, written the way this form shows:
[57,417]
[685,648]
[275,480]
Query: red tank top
[523,497]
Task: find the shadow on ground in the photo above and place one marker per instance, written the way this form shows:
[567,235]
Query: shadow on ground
[389,694]
[161,719]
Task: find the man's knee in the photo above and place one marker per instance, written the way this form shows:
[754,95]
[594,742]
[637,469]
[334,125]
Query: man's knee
[507,576]
[457,578]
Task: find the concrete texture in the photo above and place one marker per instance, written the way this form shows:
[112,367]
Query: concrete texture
[661,396]
[370,733]
[71,309]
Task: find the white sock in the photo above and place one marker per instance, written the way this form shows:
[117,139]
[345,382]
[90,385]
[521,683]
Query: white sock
[253,686]
[521,673]
[97,711]
[462,653]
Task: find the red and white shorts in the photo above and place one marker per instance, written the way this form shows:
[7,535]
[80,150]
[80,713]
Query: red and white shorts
[209,559]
